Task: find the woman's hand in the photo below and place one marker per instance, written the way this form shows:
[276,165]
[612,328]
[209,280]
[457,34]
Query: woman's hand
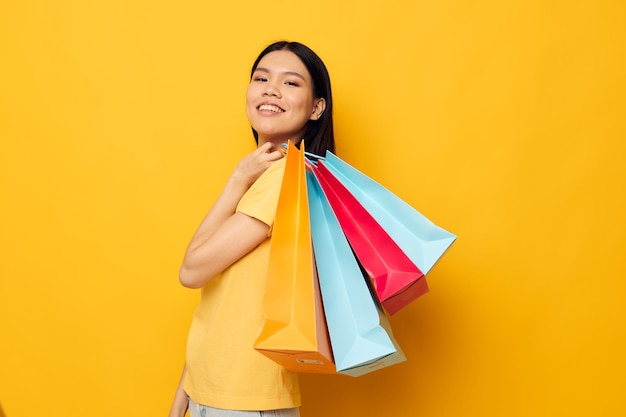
[180,403]
[253,165]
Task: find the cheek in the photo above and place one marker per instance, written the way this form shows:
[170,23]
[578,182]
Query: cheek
[303,102]
[249,95]
[254,91]
[249,106]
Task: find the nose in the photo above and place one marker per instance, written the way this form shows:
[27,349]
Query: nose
[270,90]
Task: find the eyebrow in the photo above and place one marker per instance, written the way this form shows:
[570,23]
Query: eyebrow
[296,74]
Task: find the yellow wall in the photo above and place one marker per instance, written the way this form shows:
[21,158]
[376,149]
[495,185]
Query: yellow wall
[503,121]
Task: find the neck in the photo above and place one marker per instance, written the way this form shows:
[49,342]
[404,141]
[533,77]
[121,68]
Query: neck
[277,141]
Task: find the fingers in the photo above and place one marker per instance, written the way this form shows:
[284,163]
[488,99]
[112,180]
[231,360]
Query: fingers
[269,152]
[266,147]
[275,155]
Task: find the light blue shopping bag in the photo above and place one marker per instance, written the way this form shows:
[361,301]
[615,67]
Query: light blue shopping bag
[418,237]
[360,334]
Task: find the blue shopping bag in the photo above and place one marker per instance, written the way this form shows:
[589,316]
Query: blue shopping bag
[418,237]
[360,334]
[396,280]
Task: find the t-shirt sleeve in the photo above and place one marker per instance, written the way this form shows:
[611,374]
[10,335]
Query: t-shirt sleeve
[261,199]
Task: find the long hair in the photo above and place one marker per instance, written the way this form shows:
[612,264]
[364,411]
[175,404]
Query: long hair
[319,135]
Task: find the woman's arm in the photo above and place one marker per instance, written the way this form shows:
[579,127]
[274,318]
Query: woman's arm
[224,236]
[180,403]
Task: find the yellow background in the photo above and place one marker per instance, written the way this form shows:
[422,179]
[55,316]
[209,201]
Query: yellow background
[502,121]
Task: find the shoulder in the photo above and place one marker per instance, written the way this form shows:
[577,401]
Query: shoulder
[278,166]
[272,175]
[261,199]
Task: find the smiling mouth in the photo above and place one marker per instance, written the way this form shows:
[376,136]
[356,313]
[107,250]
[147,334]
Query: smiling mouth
[270,107]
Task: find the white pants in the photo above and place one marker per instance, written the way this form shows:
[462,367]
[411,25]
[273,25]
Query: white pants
[197,410]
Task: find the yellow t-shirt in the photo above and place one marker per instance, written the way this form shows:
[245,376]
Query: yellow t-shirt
[223,368]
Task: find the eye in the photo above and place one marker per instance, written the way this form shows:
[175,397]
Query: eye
[260,79]
[292,83]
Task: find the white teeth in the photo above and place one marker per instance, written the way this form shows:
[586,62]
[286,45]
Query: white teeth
[270,107]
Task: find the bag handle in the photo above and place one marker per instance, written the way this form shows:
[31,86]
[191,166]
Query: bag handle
[283,149]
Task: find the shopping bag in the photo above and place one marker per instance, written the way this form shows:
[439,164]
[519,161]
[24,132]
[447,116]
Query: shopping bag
[360,335]
[294,332]
[418,237]
[397,281]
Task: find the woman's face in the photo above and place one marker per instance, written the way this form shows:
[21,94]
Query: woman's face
[279,100]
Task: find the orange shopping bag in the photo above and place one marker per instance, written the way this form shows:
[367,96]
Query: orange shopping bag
[294,332]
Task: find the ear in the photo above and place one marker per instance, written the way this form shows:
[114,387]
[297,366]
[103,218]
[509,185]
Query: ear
[319,105]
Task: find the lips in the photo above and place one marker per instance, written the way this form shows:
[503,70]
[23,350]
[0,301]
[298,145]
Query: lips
[270,107]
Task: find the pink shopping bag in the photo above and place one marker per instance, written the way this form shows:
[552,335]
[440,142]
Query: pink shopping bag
[397,281]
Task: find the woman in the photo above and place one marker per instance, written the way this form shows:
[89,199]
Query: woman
[288,99]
